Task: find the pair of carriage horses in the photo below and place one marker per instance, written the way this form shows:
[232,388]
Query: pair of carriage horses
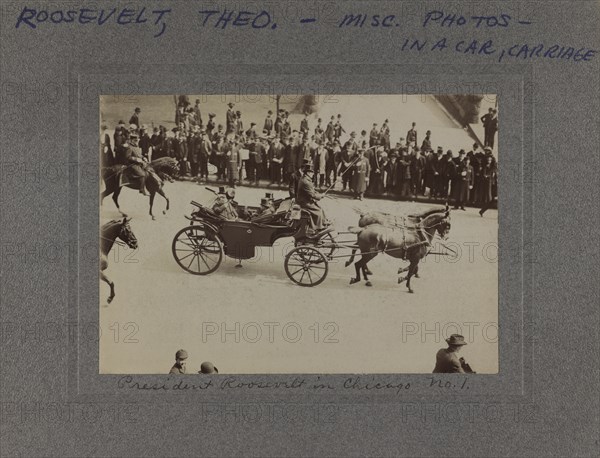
[405,237]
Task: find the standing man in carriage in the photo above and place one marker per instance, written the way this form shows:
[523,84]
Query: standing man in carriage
[308,197]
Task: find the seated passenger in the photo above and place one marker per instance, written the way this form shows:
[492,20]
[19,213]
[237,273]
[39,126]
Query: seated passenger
[224,206]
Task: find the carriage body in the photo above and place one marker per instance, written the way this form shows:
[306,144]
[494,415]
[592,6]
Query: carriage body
[200,247]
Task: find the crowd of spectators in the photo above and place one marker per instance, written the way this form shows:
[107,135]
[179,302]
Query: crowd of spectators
[269,154]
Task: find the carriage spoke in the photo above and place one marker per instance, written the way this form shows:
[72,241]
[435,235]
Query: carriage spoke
[309,276]
[191,262]
[302,277]
[294,273]
[204,261]
[186,256]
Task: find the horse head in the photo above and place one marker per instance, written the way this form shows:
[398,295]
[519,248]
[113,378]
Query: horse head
[126,234]
[438,222]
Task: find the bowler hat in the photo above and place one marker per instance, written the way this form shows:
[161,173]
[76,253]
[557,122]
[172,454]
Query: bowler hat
[181,354]
[208,368]
[456,339]
[231,104]
[137,109]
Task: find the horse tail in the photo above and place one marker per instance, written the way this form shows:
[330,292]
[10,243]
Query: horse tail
[355,229]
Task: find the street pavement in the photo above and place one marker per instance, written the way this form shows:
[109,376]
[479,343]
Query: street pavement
[255,320]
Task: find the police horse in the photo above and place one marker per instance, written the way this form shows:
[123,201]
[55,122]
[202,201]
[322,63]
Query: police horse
[410,242]
[116,176]
[109,233]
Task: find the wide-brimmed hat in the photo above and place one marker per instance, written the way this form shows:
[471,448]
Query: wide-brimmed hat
[456,339]
[230,192]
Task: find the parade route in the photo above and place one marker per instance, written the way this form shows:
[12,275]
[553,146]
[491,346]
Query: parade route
[255,320]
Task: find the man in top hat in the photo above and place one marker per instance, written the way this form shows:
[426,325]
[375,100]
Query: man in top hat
[447,360]
[266,207]
[349,152]
[135,118]
[208,368]
[307,197]
[230,118]
[268,125]
[179,366]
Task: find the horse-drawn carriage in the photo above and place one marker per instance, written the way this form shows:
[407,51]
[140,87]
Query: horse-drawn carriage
[200,247]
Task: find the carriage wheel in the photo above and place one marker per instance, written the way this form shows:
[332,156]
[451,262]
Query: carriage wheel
[306,266]
[197,250]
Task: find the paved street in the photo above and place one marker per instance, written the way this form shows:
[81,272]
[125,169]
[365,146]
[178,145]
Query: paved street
[255,320]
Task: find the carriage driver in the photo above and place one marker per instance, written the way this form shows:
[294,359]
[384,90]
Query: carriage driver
[225,205]
[307,197]
[136,163]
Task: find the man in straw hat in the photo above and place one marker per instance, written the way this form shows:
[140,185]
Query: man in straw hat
[447,360]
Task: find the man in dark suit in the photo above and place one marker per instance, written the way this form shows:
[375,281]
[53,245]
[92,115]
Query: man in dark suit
[411,135]
[135,117]
[374,136]
[490,126]
[106,152]
[230,119]
[268,126]
[447,360]
[304,125]
[307,197]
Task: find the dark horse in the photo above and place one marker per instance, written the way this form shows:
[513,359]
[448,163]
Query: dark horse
[158,171]
[385,219]
[388,220]
[109,232]
[410,243]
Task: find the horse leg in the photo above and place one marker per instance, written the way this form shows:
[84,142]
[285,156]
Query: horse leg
[152,194]
[162,193]
[402,269]
[116,200]
[417,272]
[414,266]
[104,194]
[366,272]
[357,266]
[104,278]
[351,260]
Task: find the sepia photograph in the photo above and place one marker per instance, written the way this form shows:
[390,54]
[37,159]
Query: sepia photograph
[283,234]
